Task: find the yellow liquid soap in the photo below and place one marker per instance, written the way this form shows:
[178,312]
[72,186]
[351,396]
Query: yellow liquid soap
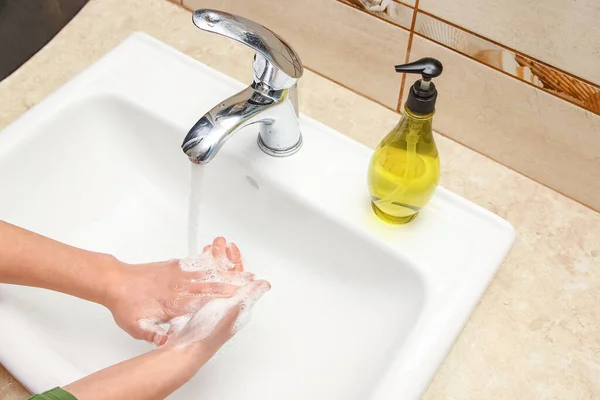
[404,170]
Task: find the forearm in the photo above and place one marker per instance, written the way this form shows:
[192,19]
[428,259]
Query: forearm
[153,375]
[29,259]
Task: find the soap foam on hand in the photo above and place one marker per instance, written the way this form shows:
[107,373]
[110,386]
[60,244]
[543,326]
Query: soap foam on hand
[216,270]
[190,328]
[200,323]
[205,262]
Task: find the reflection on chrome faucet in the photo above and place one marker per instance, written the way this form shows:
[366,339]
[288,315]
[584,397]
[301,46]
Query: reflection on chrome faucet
[271,101]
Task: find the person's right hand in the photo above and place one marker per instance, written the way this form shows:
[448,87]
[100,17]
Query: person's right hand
[144,296]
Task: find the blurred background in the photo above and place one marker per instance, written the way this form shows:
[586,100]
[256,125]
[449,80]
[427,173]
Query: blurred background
[27,25]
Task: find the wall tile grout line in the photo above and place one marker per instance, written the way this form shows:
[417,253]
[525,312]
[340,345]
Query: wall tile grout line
[416,24]
[333,79]
[404,4]
[412,32]
[569,74]
[437,131]
[417,10]
[348,88]
[374,15]
[401,91]
[407,57]
[182,5]
[550,92]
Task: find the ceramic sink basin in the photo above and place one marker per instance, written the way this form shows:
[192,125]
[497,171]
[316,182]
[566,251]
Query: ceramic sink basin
[358,310]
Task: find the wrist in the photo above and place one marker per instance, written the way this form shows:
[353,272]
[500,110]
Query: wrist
[109,278]
[188,358]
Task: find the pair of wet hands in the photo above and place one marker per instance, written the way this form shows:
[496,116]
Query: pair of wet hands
[205,297]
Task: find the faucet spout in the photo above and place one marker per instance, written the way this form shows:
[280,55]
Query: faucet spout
[274,111]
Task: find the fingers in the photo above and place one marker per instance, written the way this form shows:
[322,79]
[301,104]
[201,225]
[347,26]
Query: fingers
[238,278]
[152,332]
[234,255]
[219,276]
[212,288]
[246,295]
[228,314]
[219,247]
[249,294]
[187,304]
[160,339]
[252,292]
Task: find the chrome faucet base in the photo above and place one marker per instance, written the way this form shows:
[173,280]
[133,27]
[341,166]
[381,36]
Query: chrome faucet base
[279,152]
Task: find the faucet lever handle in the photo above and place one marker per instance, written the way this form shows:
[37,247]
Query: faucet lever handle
[265,42]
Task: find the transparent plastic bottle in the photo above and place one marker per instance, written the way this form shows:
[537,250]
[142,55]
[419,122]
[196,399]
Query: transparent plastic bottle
[405,168]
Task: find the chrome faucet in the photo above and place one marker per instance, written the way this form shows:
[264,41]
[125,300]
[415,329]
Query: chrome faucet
[271,101]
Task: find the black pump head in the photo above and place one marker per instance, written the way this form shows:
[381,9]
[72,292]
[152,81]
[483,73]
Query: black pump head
[422,95]
[428,68]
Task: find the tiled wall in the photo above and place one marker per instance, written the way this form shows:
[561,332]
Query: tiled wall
[521,82]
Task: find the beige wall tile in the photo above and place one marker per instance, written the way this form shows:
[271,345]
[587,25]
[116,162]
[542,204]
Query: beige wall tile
[408,2]
[521,67]
[336,40]
[539,135]
[395,12]
[563,33]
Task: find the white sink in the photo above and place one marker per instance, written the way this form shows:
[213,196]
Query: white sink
[358,310]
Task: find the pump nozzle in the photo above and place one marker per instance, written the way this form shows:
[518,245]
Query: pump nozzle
[428,68]
[422,95]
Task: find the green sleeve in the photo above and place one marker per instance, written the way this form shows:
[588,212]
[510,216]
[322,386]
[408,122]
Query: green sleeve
[54,394]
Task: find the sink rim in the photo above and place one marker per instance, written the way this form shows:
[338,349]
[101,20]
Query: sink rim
[435,331]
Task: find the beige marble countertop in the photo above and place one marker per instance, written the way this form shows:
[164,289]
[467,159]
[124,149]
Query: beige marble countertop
[535,333]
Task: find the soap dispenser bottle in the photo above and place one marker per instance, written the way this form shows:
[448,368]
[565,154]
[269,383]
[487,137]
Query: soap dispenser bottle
[405,168]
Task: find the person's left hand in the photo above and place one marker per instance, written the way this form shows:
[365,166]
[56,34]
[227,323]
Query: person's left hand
[144,296]
[218,321]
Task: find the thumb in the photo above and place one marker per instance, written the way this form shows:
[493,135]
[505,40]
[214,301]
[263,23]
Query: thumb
[150,331]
